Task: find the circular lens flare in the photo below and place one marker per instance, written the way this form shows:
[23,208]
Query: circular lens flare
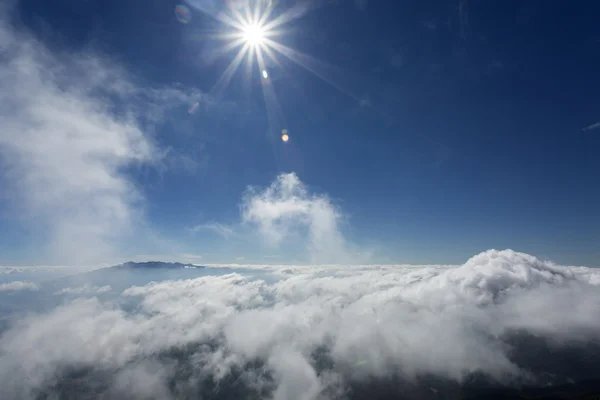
[254,34]
[183,14]
[285,137]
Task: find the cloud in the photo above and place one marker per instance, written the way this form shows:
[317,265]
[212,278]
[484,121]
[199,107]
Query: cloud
[85,289]
[286,209]
[73,124]
[192,256]
[225,231]
[503,316]
[591,127]
[36,270]
[18,286]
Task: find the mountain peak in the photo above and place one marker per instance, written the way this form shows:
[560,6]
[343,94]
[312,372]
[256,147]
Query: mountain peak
[155,265]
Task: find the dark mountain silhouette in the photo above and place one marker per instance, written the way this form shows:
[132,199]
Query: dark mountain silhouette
[154,265]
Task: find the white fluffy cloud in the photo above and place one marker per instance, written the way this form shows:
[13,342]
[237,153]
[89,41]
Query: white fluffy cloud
[286,210]
[16,286]
[72,124]
[449,322]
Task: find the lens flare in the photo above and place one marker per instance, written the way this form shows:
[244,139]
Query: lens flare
[285,137]
[183,14]
[193,108]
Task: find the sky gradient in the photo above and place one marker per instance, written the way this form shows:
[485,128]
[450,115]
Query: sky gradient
[426,132]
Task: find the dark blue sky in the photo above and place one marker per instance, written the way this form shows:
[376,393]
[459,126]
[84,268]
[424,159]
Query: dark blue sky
[446,128]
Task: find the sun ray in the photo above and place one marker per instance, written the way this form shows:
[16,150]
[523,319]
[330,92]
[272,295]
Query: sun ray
[256,13]
[295,12]
[264,17]
[312,65]
[236,22]
[274,114]
[248,17]
[253,32]
[270,53]
[225,78]
[237,42]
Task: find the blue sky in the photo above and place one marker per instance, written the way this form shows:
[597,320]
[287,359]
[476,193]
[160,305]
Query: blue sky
[432,130]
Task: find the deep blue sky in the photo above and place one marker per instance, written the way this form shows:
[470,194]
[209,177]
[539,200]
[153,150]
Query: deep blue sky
[460,129]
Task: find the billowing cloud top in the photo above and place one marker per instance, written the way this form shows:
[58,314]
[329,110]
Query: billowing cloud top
[503,317]
[286,208]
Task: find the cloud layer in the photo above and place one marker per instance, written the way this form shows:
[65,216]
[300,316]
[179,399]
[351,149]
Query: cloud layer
[504,318]
[16,286]
[85,289]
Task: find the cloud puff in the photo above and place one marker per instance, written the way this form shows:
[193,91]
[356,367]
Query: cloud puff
[85,289]
[18,286]
[286,209]
[72,124]
[319,333]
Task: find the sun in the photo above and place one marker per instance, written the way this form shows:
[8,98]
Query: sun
[253,34]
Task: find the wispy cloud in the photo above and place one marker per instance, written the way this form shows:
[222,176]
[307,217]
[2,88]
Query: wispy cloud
[287,208]
[54,269]
[72,124]
[222,230]
[84,290]
[192,256]
[18,286]
[592,127]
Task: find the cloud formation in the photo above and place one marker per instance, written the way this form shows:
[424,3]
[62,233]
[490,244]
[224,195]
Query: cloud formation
[225,231]
[72,125]
[592,127]
[286,209]
[18,286]
[317,333]
[85,289]
[58,270]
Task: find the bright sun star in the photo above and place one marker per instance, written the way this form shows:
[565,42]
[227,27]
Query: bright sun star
[254,34]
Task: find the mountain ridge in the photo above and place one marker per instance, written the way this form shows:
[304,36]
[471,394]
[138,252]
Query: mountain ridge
[154,265]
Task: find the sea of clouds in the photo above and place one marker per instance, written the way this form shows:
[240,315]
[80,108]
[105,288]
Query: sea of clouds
[73,124]
[503,318]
